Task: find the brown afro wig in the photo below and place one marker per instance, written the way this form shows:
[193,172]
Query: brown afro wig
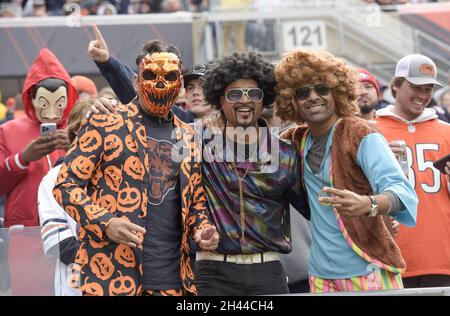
[299,68]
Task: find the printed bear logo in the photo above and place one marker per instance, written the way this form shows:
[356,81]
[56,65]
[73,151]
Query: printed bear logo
[163,171]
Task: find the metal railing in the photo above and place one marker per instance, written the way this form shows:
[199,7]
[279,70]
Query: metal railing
[385,39]
[431,291]
[27,269]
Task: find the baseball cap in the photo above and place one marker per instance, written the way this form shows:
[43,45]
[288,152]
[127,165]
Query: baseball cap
[417,69]
[194,72]
[84,84]
[366,76]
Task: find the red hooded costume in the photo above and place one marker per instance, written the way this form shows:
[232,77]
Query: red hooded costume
[18,182]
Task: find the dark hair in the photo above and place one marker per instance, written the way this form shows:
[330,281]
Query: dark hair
[396,82]
[235,67]
[156,46]
[51,84]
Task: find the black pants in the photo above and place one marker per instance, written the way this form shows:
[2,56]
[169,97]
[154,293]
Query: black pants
[432,280]
[299,287]
[217,278]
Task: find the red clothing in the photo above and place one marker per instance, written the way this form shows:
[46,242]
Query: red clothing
[425,247]
[47,66]
[20,183]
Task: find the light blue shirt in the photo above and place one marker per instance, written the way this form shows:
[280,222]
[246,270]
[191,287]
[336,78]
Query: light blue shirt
[331,256]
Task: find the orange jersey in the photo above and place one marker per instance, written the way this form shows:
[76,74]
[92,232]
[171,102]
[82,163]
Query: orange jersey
[425,247]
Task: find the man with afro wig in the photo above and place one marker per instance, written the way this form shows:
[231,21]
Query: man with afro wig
[248,195]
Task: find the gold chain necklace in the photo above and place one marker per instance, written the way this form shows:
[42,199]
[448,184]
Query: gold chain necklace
[241,191]
[241,199]
[241,194]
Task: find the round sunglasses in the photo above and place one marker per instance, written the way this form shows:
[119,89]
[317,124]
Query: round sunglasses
[237,94]
[303,93]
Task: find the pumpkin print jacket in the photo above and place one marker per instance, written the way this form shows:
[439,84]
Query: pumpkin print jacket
[105,175]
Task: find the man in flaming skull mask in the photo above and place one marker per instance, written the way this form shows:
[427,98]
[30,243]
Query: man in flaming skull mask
[158,82]
[120,183]
[118,75]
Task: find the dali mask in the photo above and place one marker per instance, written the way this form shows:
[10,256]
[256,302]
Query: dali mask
[159,82]
[49,106]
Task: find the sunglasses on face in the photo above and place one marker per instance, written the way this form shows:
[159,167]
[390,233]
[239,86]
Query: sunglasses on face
[237,94]
[303,93]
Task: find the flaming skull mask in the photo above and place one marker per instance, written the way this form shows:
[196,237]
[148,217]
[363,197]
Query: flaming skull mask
[159,82]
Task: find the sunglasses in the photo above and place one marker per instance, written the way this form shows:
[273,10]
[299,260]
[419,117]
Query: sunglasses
[237,94]
[303,93]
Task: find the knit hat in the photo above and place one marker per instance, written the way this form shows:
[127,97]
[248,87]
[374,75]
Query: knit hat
[366,76]
[84,84]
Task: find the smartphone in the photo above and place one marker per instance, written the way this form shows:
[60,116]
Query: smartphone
[47,128]
[441,163]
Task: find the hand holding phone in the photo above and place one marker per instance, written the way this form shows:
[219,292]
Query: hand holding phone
[41,146]
[441,163]
[46,128]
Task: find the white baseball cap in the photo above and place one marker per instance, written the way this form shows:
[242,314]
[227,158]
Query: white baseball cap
[417,69]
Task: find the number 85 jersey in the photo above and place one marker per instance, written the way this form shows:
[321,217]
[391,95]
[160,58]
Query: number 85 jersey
[425,247]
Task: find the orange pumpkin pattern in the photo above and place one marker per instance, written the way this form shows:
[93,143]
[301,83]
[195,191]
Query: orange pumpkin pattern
[122,286]
[113,177]
[172,292]
[63,173]
[73,212]
[104,177]
[98,174]
[92,288]
[82,167]
[101,266]
[125,256]
[113,147]
[134,168]
[90,141]
[129,199]
[131,144]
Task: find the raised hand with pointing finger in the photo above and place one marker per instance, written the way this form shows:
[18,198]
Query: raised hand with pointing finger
[137,210]
[97,49]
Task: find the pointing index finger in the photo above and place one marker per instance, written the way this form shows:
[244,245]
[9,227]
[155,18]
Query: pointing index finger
[98,34]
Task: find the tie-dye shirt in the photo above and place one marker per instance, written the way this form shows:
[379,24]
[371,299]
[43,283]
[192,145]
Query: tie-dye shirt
[268,189]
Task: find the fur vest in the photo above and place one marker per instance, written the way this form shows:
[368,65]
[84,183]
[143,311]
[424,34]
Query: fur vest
[369,237]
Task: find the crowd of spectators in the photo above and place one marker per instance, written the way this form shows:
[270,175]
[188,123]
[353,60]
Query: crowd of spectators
[395,2]
[21,8]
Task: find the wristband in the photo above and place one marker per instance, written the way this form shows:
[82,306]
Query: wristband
[21,159]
